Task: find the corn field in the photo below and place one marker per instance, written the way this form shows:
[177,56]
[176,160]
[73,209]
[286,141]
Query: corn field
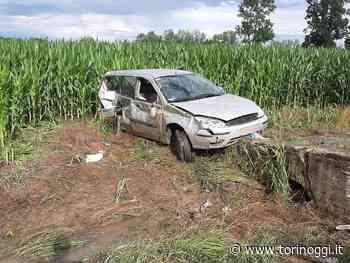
[46,80]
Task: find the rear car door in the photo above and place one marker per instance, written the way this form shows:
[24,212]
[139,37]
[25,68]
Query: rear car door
[107,95]
[117,96]
[146,111]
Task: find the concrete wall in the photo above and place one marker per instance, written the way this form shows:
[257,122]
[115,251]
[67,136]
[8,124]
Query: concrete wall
[325,175]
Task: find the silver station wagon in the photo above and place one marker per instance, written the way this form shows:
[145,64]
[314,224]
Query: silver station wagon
[178,108]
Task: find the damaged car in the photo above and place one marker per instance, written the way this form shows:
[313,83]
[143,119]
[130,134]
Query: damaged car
[178,108]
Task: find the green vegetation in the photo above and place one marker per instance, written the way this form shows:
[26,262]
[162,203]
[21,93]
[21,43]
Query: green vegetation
[201,246]
[150,152]
[209,246]
[46,244]
[256,25]
[266,163]
[25,148]
[41,80]
[212,172]
[327,22]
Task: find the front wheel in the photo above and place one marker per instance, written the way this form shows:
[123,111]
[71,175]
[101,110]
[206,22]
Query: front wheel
[182,146]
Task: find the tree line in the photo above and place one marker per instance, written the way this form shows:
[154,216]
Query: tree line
[327,21]
[188,36]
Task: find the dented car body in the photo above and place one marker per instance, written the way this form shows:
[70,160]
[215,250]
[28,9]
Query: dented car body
[180,108]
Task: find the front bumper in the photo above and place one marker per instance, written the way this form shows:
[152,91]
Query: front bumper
[224,137]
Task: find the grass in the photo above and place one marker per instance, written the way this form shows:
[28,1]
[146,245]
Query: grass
[14,175]
[24,148]
[266,163]
[151,153]
[44,245]
[196,247]
[212,246]
[288,124]
[346,257]
[212,172]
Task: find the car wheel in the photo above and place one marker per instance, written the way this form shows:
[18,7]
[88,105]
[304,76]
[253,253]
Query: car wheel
[182,146]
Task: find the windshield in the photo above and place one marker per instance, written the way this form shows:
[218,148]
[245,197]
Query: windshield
[187,87]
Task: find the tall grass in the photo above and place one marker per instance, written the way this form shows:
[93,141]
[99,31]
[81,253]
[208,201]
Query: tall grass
[44,245]
[211,247]
[42,80]
[267,162]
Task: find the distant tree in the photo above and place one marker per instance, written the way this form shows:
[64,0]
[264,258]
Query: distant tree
[169,35]
[226,37]
[184,36]
[199,37]
[347,42]
[256,25]
[290,42]
[150,36]
[141,37]
[326,22]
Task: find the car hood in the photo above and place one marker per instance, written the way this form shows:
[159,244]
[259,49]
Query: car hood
[225,107]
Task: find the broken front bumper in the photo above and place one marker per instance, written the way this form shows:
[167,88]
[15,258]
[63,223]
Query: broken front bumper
[224,137]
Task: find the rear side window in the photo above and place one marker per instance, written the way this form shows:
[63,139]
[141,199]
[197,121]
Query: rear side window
[124,86]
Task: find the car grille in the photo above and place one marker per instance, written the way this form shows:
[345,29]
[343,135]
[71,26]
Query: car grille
[244,119]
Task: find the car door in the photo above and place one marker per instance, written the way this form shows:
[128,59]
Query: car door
[107,95]
[116,95]
[146,111]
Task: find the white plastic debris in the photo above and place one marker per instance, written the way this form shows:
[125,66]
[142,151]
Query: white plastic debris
[204,205]
[227,209]
[92,158]
[343,227]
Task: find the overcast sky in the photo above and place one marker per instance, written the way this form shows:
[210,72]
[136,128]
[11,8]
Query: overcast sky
[123,19]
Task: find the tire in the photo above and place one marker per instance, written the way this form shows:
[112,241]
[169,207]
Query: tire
[182,146]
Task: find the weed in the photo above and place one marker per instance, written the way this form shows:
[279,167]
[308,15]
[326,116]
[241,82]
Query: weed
[195,247]
[212,172]
[345,258]
[46,244]
[150,153]
[121,192]
[14,175]
[24,148]
[265,162]
[343,119]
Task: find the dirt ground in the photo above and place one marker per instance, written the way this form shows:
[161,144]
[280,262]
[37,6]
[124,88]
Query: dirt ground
[160,198]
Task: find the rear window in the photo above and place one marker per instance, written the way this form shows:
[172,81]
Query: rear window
[122,85]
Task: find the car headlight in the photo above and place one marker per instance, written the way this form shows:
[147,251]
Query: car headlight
[207,123]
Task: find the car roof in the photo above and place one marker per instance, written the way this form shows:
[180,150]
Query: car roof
[148,73]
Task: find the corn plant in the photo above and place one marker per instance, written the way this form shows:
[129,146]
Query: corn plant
[46,80]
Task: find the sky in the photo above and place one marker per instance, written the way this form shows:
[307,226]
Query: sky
[124,19]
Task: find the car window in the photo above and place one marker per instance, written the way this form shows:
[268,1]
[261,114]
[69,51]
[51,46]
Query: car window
[147,91]
[187,87]
[123,85]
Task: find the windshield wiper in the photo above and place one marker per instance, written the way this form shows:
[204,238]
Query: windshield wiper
[203,96]
[180,99]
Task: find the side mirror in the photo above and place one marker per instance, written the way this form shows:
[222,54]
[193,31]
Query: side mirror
[222,89]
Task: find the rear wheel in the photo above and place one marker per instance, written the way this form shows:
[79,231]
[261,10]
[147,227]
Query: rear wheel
[181,146]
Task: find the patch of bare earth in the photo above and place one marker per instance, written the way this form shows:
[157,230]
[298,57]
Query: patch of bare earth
[64,192]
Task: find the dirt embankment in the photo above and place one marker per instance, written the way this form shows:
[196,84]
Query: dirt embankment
[159,197]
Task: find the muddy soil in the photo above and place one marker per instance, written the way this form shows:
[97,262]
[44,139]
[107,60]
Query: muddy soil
[160,200]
